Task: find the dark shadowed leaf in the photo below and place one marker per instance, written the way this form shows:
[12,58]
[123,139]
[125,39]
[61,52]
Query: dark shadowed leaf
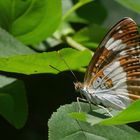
[13,103]
[133,5]
[9,46]
[97,10]
[75,12]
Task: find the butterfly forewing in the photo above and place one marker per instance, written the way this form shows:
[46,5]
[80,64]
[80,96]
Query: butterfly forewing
[124,34]
[113,75]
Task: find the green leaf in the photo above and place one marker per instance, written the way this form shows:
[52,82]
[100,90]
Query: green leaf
[90,36]
[81,116]
[9,46]
[96,8]
[93,119]
[72,129]
[40,63]
[75,7]
[75,12]
[131,114]
[31,21]
[13,103]
[131,4]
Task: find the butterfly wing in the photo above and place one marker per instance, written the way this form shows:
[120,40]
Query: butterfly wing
[118,83]
[124,35]
[114,70]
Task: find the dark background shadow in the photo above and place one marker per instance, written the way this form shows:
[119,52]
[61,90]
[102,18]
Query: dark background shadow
[45,93]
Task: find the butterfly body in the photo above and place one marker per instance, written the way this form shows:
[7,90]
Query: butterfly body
[113,75]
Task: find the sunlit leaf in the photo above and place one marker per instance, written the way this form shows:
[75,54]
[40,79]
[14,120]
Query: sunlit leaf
[31,21]
[90,36]
[129,115]
[72,129]
[43,63]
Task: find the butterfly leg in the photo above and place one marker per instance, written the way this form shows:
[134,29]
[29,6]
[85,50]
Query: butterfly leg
[84,100]
[102,107]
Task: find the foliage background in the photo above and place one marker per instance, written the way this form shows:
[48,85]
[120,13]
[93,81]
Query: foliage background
[46,91]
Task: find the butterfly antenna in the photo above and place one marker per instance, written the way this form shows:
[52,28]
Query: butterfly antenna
[68,67]
[55,68]
[58,70]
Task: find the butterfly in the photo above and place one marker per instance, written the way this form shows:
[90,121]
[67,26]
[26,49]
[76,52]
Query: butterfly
[112,78]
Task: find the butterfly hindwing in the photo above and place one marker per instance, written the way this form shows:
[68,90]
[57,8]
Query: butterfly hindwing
[122,73]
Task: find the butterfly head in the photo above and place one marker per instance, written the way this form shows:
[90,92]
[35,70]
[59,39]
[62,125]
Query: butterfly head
[78,86]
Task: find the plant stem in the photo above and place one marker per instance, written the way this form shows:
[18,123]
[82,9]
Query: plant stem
[75,44]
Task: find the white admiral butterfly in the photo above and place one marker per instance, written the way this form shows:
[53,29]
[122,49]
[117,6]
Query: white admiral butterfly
[113,75]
